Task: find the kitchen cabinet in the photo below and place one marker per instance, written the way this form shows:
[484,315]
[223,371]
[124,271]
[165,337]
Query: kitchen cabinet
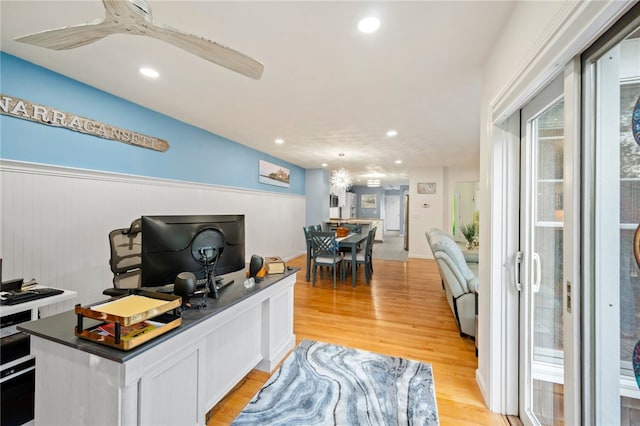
[379,224]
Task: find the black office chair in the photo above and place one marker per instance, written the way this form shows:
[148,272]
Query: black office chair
[126,258]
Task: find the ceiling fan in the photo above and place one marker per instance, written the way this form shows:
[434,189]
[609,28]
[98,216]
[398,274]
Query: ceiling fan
[134,17]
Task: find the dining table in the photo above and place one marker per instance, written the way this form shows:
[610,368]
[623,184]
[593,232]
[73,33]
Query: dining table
[352,241]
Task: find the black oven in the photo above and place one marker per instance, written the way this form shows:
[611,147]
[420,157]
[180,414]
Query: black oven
[17,372]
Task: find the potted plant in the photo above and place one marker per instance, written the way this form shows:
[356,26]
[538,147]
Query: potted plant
[469,233]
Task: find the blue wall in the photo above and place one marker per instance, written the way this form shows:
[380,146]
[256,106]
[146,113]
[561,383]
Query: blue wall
[369,213]
[195,155]
[317,193]
[381,193]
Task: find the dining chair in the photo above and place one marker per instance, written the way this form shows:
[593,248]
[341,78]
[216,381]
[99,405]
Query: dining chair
[365,257]
[372,234]
[355,228]
[307,236]
[325,253]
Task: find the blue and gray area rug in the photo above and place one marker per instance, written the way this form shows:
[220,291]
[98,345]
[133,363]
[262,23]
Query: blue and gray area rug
[324,384]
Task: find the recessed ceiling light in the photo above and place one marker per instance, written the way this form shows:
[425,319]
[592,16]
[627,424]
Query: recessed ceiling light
[279,141]
[324,164]
[148,72]
[374,175]
[398,161]
[369,24]
[392,133]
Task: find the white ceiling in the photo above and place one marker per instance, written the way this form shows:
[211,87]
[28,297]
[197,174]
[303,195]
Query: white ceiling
[326,88]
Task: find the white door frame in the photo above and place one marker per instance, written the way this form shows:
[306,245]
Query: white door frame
[576,27]
[570,88]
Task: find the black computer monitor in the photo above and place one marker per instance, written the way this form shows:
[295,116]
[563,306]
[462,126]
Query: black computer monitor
[202,244]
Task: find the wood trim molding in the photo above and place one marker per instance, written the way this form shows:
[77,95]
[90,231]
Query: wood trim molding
[13,166]
[575,27]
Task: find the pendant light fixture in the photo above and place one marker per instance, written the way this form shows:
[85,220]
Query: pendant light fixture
[341,178]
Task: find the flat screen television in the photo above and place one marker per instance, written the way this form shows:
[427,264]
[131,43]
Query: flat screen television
[201,244]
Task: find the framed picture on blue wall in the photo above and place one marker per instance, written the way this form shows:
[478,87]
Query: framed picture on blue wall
[272,174]
[368,201]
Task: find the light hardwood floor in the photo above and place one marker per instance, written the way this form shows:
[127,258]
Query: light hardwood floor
[402,313]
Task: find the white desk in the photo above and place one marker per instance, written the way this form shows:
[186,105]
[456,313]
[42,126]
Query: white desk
[174,379]
[46,306]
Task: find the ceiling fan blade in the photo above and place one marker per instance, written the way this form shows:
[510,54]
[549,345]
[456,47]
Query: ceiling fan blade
[209,50]
[71,37]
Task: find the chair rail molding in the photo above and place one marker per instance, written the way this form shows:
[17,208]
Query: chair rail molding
[56,220]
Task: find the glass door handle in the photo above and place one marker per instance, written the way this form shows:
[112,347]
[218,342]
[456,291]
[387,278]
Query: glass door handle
[517,259]
[536,281]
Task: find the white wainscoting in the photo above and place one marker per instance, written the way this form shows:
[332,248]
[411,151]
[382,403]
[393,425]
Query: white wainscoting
[56,221]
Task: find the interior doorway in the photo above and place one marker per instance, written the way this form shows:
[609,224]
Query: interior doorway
[392,212]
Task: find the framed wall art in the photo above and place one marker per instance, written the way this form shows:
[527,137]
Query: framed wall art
[272,174]
[368,201]
[426,187]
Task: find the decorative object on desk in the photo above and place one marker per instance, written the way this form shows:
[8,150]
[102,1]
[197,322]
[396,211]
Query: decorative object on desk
[320,383]
[368,201]
[185,287]
[341,178]
[257,268]
[275,265]
[636,245]
[342,232]
[249,283]
[426,187]
[272,174]
[469,233]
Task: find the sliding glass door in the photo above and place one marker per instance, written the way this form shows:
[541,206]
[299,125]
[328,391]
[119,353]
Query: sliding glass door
[612,218]
[541,253]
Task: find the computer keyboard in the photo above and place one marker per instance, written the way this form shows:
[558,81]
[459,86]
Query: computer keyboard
[15,297]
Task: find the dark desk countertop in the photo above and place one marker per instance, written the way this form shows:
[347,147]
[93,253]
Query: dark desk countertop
[60,328]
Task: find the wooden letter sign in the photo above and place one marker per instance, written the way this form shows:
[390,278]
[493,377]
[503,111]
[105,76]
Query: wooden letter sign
[20,108]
